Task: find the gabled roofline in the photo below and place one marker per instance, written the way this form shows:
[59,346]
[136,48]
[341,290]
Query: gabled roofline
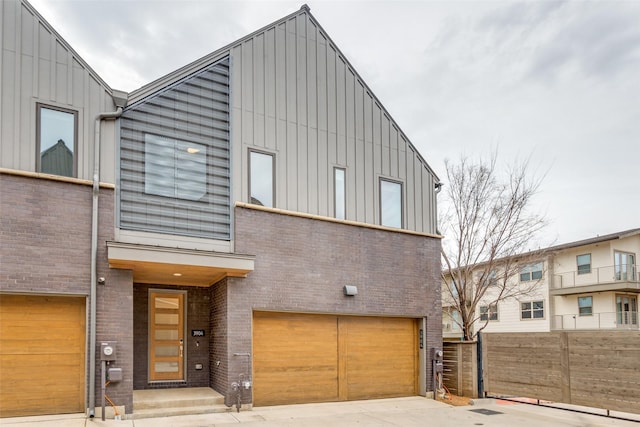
[546,251]
[203,62]
[193,67]
[598,239]
[67,46]
[368,89]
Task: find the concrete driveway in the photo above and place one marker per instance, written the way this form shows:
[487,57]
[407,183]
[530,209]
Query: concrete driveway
[402,412]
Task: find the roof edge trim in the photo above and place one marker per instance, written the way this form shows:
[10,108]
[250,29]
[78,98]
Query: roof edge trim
[66,44]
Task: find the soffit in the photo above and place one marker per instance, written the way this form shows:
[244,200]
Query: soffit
[176,266]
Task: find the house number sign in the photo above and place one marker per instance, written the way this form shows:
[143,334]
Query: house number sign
[197,332]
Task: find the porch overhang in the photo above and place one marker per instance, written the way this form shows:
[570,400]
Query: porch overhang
[176,266]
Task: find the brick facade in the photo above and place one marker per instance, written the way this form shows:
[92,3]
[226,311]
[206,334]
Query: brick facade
[302,265]
[45,230]
[196,349]
[218,344]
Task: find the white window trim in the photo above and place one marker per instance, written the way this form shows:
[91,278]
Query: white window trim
[531,310]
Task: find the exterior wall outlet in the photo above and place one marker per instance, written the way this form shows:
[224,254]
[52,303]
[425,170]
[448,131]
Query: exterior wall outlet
[198,366]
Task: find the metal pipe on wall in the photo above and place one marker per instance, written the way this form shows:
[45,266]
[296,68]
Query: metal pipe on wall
[120,100]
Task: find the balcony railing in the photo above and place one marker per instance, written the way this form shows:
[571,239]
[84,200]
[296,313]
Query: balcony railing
[613,274]
[619,320]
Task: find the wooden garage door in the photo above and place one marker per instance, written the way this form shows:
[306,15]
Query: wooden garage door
[302,358]
[42,355]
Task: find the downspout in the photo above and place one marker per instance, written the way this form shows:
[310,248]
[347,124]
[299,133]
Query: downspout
[94,245]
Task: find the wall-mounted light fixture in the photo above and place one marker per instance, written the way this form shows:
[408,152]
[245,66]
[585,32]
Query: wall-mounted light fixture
[350,290]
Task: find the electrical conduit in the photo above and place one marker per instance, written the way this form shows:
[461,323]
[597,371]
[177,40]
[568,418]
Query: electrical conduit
[120,101]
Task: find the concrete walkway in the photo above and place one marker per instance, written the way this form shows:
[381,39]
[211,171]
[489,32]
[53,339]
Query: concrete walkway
[402,412]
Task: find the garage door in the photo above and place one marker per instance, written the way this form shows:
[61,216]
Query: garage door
[302,358]
[42,355]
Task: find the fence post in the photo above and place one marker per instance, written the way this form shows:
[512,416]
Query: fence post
[479,364]
[459,352]
[565,372]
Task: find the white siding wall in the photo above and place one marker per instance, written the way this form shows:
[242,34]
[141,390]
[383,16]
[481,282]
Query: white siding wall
[36,65]
[509,310]
[293,94]
[603,317]
[565,264]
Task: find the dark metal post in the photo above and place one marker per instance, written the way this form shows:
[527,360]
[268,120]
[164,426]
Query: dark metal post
[103,384]
[479,362]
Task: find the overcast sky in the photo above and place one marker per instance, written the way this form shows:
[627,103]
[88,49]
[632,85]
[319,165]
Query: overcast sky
[559,81]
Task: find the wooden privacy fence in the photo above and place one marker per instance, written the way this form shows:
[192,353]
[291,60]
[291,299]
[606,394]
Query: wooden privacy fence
[600,369]
[460,374]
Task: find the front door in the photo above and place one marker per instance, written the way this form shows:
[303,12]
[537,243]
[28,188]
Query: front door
[166,336]
[626,310]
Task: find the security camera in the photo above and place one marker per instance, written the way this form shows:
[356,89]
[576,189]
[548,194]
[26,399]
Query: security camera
[101,280]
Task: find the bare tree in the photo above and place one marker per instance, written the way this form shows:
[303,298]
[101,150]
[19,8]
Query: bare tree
[489,226]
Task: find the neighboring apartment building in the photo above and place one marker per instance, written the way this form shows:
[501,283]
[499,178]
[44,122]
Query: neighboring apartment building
[255,213]
[587,284]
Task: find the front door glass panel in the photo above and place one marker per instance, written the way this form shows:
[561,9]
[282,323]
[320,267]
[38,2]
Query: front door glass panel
[166,336]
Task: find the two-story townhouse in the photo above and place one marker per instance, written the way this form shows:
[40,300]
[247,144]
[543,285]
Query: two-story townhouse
[256,216]
[596,282]
[521,304]
[587,284]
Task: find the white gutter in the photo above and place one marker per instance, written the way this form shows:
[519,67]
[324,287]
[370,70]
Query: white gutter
[120,99]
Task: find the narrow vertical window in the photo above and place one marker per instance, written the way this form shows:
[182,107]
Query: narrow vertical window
[390,203]
[339,190]
[56,139]
[261,178]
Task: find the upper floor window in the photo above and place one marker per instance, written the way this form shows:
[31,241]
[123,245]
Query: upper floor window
[391,203]
[532,310]
[340,194]
[584,263]
[489,312]
[174,168]
[625,267]
[531,272]
[488,278]
[585,306]
[57,130]
[261,187]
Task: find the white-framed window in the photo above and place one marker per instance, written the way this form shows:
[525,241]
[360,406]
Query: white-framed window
[261,178]
[340,193]
[455,317]
[391,211]
[625,267]
[585,306]
[454,289]
[584,263]
[532,310]
[174,168]
[489,312]
[491,278]
[56,136]
[531,272]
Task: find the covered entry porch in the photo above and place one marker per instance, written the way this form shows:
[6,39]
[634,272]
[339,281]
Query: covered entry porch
[176,362]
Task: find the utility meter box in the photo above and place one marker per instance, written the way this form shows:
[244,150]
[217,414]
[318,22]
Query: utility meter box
[108,350]
[114,375]
[438,357]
